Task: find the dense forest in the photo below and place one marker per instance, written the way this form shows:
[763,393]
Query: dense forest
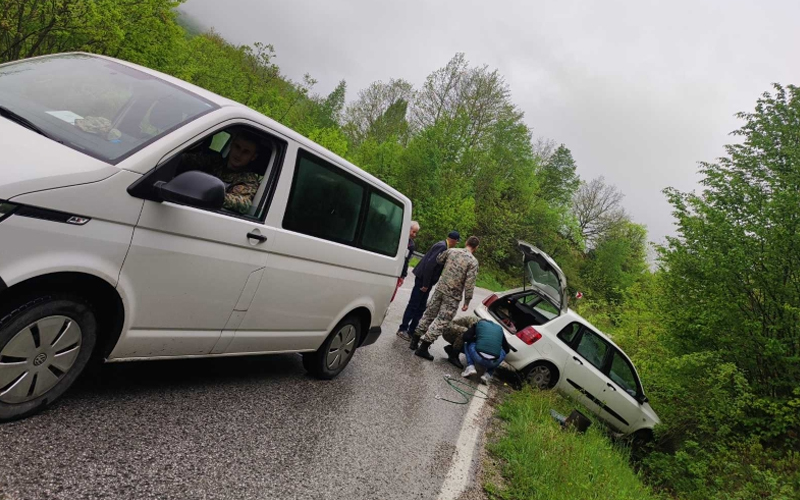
[714,330]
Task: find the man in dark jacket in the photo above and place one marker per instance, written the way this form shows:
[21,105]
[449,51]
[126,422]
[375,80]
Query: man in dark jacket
[426,273]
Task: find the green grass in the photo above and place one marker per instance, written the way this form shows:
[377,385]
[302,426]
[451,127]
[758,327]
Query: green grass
[539,460]
[487,280]
[413,262]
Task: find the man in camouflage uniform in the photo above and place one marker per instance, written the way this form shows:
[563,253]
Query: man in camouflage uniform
[241,185]
[454,335]
[457,280]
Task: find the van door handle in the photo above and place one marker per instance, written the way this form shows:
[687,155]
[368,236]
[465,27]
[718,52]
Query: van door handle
[609,384]
[578,360]
[255,236]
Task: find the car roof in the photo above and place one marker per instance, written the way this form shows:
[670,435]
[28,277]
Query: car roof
[224,102]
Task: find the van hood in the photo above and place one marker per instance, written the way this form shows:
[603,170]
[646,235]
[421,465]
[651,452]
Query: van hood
[31,162]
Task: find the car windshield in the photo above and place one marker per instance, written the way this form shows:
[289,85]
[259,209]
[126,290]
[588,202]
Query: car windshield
[96,106]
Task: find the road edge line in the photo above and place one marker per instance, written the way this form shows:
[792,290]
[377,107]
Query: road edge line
[458,476]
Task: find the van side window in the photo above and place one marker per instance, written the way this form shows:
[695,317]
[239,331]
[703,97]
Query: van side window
[383,226]
[324,201]
[246,159]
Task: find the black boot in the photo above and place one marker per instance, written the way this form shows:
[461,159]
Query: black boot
[414,342]
[422,351]
[452,357]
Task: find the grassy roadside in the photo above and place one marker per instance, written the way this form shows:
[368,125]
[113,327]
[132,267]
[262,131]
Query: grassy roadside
[488,281]
[538,460]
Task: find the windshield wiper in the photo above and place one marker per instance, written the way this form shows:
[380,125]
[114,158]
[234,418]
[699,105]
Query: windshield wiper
[14,117]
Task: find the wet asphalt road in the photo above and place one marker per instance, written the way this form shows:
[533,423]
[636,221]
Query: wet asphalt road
[243,428]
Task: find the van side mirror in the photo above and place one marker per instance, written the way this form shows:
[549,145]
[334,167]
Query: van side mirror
[193,188]
[642,399]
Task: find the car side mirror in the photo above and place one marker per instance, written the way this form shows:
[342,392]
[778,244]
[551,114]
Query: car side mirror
[196,189]
[642,399]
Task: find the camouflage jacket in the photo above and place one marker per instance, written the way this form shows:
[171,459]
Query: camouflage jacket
[240,187]
[459,273]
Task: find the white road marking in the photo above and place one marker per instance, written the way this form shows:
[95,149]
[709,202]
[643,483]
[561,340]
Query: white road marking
[458,476]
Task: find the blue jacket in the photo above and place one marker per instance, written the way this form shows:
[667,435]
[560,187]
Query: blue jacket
[428,269]
[488,338]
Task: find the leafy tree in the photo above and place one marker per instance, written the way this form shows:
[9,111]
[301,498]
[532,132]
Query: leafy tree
[557,177]
[140,30]
[734,269]
[367,115]
[617,261]
[332,107]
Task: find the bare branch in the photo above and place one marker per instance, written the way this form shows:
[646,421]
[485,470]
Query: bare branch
[598,208]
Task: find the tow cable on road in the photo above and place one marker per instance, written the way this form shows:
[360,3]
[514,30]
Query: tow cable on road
[454,383]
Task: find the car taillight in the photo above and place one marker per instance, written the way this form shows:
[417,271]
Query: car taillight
[396,287]
[529,335]
[490,299]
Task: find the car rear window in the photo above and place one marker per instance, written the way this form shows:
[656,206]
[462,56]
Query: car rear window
[99,107]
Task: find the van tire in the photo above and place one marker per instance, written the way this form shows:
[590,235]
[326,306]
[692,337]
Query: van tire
[44,308]
[336,352]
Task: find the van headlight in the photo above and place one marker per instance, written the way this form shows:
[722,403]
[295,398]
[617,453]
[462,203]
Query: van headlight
[6,209]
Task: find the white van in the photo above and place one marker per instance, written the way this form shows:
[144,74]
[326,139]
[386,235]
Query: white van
[116,242]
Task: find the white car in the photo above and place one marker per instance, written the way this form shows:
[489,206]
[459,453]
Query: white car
[554,347]
[116,242]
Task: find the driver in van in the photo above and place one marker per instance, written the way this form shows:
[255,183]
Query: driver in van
[241,185]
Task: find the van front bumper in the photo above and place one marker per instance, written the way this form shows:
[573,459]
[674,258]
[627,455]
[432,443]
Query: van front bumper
[372,336]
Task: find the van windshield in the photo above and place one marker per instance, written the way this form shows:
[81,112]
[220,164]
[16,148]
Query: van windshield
[99,107]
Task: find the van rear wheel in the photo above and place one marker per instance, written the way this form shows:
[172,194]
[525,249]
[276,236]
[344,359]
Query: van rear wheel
[336,352]
[45,344]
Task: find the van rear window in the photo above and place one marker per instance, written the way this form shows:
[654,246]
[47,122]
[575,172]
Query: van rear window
[383,226]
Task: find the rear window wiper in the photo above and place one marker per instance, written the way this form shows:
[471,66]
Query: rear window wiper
[14,117]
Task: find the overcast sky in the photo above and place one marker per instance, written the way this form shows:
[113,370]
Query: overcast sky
[639,90]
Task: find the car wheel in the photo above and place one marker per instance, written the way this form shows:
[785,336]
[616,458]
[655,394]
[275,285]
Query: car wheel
[336,352]
[542,376]
[45,344]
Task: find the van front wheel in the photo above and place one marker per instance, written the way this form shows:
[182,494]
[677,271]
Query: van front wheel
[45,344]
[336,352]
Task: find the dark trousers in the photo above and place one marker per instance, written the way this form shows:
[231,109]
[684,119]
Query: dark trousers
[415,308]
